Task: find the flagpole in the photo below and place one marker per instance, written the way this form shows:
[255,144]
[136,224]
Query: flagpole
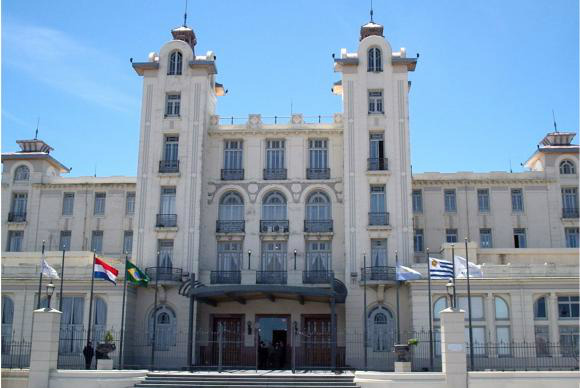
[91,298]
[398,302]
[365,305]
[469,306]
[430,311]
[40,278]
[155,313]
[121,360]
[453,300]
[61,279]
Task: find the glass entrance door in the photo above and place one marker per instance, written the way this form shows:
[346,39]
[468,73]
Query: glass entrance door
[273,342]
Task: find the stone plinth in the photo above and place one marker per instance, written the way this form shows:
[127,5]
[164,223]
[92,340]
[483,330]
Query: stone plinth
[454,364]
[44,347]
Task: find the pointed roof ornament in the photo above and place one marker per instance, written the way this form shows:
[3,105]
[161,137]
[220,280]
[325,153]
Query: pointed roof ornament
[185,33]
[372,11]
[185,15]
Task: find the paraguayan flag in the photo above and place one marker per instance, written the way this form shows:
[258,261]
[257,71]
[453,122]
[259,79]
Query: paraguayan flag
[440,269]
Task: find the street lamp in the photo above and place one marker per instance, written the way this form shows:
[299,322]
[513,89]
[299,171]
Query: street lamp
[249,257]
[451,292]
[49,291]
[295,253]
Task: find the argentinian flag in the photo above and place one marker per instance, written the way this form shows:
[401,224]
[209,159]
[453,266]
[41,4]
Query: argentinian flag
[406,273]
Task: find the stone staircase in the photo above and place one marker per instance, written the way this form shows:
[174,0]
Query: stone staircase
[243,379]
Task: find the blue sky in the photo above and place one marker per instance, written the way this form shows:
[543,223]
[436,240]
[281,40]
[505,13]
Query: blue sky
[489,73]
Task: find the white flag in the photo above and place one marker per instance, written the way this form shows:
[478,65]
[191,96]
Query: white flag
[461,269]
[47,270]
[406,273]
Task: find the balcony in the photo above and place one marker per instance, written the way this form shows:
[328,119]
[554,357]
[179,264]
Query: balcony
[317,277]
[166,221]
[237,226]
[324,226]
[275,174]
[229,174]
[225,277]
[378,164]
[164,274]
[271,277]
[168,166]
[274,226]
[318,173]
[385,273]
[570,213]
[17,217]
[378,219]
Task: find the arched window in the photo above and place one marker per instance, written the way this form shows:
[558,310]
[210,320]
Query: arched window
[318,207]
[540,308]
[439,305]
[274,207]
[502,310]
[231,207]
[174,66]
[382,329]
[7,320]
[165,328]
[21,174]
[567,168]
[375,60]
[99,320]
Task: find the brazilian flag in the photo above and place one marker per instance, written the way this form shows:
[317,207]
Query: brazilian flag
[135,275]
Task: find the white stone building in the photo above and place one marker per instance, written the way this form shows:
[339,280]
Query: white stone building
[275,217]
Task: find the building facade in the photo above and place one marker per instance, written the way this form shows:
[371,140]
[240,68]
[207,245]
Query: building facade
[277,231]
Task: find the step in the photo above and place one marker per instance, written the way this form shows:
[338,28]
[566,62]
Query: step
[230,385]
[251,382]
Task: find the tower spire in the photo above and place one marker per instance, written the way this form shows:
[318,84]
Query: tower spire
[185,15]
[554,119]
[38,122]
[372,21]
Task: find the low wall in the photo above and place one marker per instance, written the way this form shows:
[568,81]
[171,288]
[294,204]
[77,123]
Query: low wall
[394,380]
[95,378]
[524,379]
[14,378]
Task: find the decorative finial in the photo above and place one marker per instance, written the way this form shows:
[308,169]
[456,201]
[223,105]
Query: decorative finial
[554,118]
[185,15]
[372,21]
[38,122]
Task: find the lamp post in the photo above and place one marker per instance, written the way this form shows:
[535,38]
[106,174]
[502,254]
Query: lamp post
[249,257]
[451,292]
[295,253]
[49,291]
[364,274]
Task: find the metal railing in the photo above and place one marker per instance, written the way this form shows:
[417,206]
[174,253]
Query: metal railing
[570,213]
[378,164]
[17,217]
[15,353]
[308,119]
[378,218]
[168,166]
[237,226]
[169,274]
[271,277]
[166,221]
[318,173]
[384,273]
[229,174]
[275,174]
[318,226]
[317,277]
[225,277]
[274,226]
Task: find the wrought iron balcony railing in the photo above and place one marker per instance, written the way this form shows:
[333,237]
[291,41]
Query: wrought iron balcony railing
[229,174]
[169,274]
[17,217]
[275,174]
[233,226]
[168,166]
[271,277]
[570,213]
[226,277]
[317,277]
[318,173]
[318,226]
[385,273]
[378,164]
[274,226]
[378,218]
[166,221]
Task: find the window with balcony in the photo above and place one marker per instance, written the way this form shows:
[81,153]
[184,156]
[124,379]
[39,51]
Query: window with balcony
[567,167]
[100,201]
[318,213]
[130,203]
[21,174]
[165,249]
[170,161]
[128,242]
[231,214]
[65,240]
[451,236]
[520,240]
[568,307]
[318,262]
[485,238]
[517,200]
[450,201]
[97,241]
[417,201]
[571,237]
[175,63]
[375,60]
[379,253]
[378,214]
[376,102]
[229,263]
[68,204]
[15,238]
[318,160]
[274,214]
[377,160]
[275,160]
[167,217]
[273,263]
[18,207]
[172,104]
[418,240]
[570,202]
[233,156]
[483,200]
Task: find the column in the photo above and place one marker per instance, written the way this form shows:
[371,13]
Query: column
[553,318]
[454,363]
[44,347]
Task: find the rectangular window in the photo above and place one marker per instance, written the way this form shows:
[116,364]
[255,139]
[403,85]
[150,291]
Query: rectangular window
[478,339]
[65,238]
[517,200]
[451,235]
[375,101]
[318,256]
[318,154]
[503,339]
[450,201]
[275,154]
[483,200]
[15,238]
[230,256]
[173,105]
[130,203]
[128,242]
[542,337]
[418,240]
[167,203]
[379,253]
[417,201]
[377,146]
[540,310]
[570,201]
[171,148]
[568,307]
[100,199]
[520,238]
[485,239]
[19,201]
[570,341]
[165,248]
[274,256]
[233,152]
[97,241]
[571,237]
[378,199]
[476,305]
[68,203]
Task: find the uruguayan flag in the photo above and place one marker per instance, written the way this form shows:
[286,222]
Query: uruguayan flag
[440,269]
[406,273]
